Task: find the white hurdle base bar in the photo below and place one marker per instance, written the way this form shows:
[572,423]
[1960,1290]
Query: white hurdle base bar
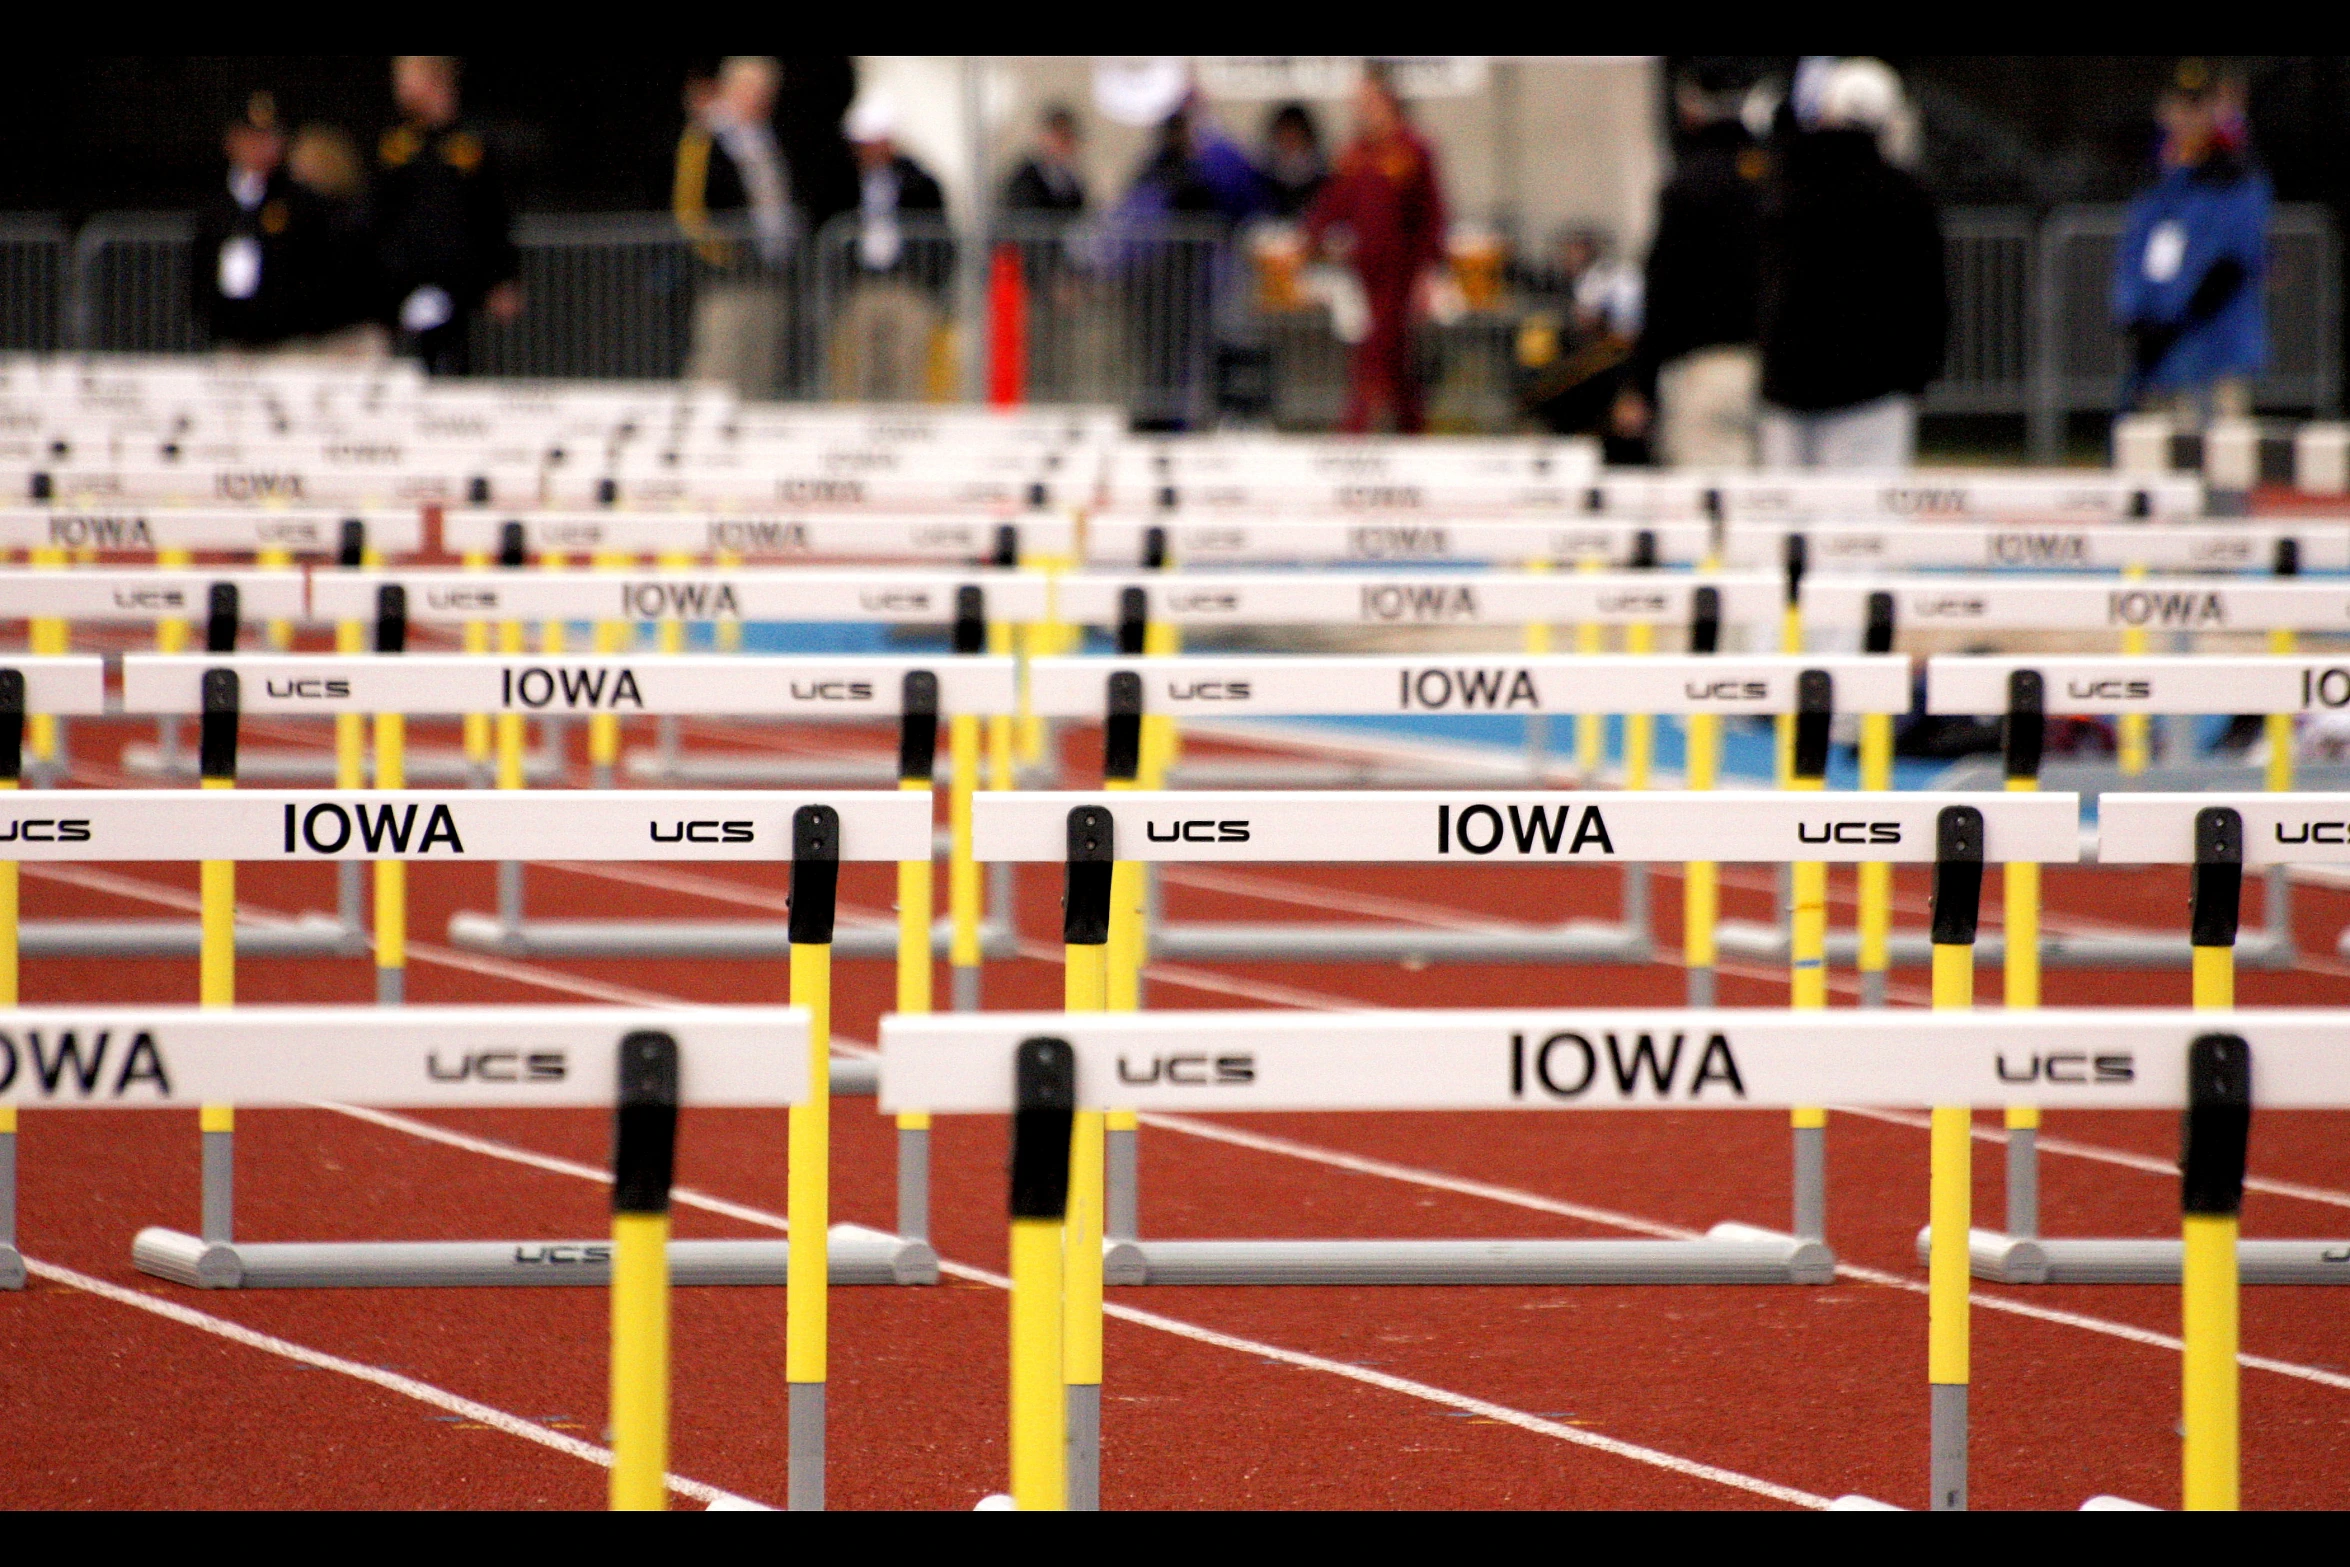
[1577,941]
[1911,949]
[432,767]
[307,936]
[1728,1254]
[2021,1259]
[854,1255]
[694,938]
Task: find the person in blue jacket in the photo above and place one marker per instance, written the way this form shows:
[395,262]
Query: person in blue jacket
[2188,275]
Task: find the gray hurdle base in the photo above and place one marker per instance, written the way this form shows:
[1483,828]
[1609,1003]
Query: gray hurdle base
[1728,1254]
[2026,1259]
[854,1255]
[426,767]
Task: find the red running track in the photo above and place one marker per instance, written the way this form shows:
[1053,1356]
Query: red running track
[1522,1397]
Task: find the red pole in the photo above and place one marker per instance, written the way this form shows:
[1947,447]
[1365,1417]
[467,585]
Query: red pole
[1007,329]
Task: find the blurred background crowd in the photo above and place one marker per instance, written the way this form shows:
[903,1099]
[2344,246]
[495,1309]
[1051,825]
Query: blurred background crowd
[1725,260]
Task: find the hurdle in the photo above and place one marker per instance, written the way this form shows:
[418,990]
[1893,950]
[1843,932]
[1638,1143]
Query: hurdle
[1494,828]
[1209,685]
[2215,1066]
[2104,545]
[2221,836]
[430,827]
[642,1063]
[960,601]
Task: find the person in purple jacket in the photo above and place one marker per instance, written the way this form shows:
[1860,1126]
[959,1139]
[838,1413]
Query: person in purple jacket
[2188,274]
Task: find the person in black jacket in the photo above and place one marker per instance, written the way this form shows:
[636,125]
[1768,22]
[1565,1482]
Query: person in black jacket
[732,198]
[1696,370]
[1047,183]
[1854,310]
[256,239]
[889,344]
[443,228]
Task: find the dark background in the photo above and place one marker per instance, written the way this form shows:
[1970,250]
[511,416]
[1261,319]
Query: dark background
[584,133]
[84,133]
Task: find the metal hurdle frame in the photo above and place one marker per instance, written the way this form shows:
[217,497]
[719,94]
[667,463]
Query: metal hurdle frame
[643,1063]
[960,600]
[1046,1068]
[2220,837]
[2023,602]
[223,826]
[1429,827]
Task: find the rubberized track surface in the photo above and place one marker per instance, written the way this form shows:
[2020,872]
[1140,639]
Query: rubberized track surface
[117,1390]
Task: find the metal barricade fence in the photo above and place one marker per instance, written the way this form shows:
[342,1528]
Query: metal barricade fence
[1164,317]
[131,290]
[1990,261]
[34,267]
[605,296]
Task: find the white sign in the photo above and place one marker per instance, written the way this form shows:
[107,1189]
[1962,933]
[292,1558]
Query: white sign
[1255,541]
[784,536]
[1947,495]
[1591,1059]
[238,530]
[143,593]
[688,683]
[1462,598]
[1978,683]
[129,1058]
[2279,829]
[1212,686]
[896,597]
[459,824]
[2083,604]
[67,683]
[1309,826]
[2105,546]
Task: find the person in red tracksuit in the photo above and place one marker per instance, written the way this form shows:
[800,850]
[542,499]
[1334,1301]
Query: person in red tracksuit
[1385,191]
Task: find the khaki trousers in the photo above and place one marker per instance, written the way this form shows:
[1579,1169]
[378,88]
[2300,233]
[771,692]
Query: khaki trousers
[1706,408]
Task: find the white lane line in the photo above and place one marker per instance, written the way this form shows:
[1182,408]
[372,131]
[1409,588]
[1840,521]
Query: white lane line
[1422,1391]
[2167,1168]
[391,1381]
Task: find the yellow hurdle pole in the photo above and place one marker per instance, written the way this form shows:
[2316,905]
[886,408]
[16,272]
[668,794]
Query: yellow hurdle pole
[12,716]
[2218,1123]
[917,760]
[1125,749]
[644,1144]
[1874,879]
[45,635]
[611,636]
[1002,643]
[391,772]
[2219,1109]
[1590,728]
[1957,910]
[727,635]
[216,962]
[1798,556]
[1701,904]
[2025,732]
[1044,1098]
[1807,944]
[963,881]
[1087,915]
[2217,1134]
[1537,643]
[279,634]
[477,640]
[2130,729]
[815,891]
